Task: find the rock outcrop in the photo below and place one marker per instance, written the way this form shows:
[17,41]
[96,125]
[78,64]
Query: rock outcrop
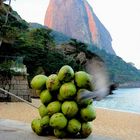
[76,19]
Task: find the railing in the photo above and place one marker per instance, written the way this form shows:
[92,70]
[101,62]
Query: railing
[11,94]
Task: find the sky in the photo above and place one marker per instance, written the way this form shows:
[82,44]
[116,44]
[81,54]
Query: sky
[120,17]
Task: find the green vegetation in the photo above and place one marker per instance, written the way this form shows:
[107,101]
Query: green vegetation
[119,71]
[38,48]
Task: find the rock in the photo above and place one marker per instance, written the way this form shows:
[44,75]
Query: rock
[76,19]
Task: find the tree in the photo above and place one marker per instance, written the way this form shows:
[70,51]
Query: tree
[6,18]
[80,46]
[1,2]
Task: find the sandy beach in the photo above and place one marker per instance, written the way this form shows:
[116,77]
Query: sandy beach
[115,124]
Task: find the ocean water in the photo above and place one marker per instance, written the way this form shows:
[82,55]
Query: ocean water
[123,99]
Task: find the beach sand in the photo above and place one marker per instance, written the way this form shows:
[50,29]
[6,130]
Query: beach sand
[115,124]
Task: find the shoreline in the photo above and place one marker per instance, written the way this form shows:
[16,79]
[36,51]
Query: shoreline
[118,110]
[130,85]
[127,88]
[108,123]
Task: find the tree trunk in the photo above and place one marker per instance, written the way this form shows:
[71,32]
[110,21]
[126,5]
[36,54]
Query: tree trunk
[7,14]
[1,2]
[0,42]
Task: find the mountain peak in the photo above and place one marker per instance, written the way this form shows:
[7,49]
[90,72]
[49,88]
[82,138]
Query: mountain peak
[76,19]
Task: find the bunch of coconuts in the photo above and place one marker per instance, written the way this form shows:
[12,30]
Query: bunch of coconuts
[61,113]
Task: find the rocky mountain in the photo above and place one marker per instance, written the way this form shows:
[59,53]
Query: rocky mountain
[76,19]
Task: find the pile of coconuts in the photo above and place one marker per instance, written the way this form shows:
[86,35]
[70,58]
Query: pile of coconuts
[61,113]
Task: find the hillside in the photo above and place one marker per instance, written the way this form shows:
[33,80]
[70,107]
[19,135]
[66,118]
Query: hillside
[38,46]
[119,70]
[59,38]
